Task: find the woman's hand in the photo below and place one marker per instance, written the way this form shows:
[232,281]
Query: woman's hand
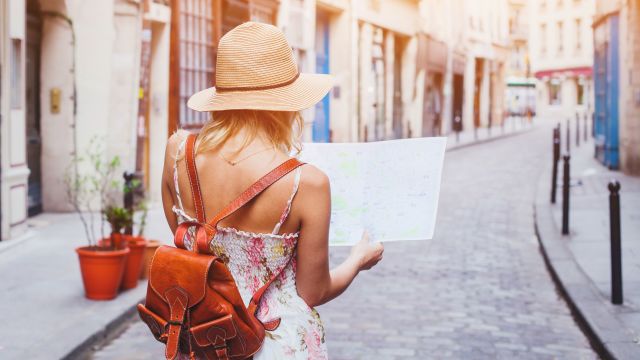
[365,253]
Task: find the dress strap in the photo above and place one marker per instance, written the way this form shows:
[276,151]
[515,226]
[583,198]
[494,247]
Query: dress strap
[287,208]
[175,175]
[192,172]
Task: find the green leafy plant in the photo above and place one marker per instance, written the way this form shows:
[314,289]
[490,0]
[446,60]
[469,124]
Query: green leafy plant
[90,181]
[118,217]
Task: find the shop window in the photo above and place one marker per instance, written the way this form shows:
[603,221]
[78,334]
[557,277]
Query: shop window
[16,74]
[580,91]
[554,92]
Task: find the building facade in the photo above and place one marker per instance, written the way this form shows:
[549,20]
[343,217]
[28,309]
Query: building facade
[464,64]
[521,93]
[562,56]
[72,73]
[616,59]
[122,70]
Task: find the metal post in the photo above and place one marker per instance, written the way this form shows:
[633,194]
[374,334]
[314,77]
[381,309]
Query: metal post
[556,158]
[457,126]
[128,197]
[616,251]
[568,135]
[565,195]
[577,130]
[586,126]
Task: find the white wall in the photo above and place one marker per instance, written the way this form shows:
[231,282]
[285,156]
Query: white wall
[107,66]
[13,142]
[159,100]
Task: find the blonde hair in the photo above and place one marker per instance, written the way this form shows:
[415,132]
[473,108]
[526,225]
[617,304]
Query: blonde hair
[281,128]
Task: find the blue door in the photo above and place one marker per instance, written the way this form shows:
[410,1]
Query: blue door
[321,121]
[606,83]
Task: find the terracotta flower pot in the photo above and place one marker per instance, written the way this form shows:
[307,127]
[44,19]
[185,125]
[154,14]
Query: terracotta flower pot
[133,265]
[101,271]
[152,246]
[118,239]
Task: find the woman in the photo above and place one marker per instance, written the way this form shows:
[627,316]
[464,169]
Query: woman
[254,110]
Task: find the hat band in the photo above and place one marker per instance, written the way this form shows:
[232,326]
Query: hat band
[253,88]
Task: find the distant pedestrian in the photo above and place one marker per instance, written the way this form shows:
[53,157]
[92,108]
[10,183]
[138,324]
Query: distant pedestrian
[254,125]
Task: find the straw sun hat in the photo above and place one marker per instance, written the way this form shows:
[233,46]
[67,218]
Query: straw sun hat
[256,70]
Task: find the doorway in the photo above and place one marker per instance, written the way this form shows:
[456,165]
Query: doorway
[33,133]
[457,103]
[321,128]
[477,89]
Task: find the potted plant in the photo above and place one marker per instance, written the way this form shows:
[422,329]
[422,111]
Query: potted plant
[88,180]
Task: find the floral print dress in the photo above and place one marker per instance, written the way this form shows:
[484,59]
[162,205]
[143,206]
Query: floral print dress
[252,259]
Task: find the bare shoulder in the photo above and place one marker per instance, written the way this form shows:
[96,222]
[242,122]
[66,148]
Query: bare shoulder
[174,141]
[314,180]
[176,138]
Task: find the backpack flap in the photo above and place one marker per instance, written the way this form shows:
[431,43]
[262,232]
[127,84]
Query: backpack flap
[187,271]
[215,333]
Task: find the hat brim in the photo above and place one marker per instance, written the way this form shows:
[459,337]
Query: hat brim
[306,91]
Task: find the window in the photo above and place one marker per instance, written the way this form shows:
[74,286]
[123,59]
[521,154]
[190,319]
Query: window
[554,92]
[580,91]
[578,35]
[543,39]
[560,37]
[16,74]
[196,27]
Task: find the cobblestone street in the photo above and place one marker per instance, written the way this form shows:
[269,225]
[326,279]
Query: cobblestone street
[478,290]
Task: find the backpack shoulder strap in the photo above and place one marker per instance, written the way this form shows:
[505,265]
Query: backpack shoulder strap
[254,190]
[190,158]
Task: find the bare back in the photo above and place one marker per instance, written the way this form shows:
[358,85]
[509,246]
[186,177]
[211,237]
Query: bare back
[221,182]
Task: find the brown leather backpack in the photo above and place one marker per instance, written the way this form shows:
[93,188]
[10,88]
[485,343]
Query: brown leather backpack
[193,304]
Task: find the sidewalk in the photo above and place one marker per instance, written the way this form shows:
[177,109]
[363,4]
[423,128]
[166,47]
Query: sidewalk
[45,313]
[580,262]
[512,126]
[49,317]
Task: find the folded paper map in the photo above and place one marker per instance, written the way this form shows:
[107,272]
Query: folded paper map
[388,188]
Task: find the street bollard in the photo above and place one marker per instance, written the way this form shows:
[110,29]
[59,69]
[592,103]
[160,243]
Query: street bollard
[565,195]
[616,251]
[586,127]
[556,158]
[568,135]
[128,196]
[577,130]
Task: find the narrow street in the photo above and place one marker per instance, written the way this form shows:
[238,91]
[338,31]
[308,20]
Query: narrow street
[479,290]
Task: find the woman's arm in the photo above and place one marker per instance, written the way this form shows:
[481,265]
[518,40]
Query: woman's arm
[168,196]
[315,283]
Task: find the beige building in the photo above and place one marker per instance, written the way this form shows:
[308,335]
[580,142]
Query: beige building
[521,92]
[71,72]
[464,64]
[123,70]
[561,44]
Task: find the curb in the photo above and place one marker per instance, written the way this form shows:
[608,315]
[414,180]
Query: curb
[594,314]
[490,139]
[103,336]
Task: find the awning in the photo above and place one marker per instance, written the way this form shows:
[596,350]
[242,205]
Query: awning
[585,71]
